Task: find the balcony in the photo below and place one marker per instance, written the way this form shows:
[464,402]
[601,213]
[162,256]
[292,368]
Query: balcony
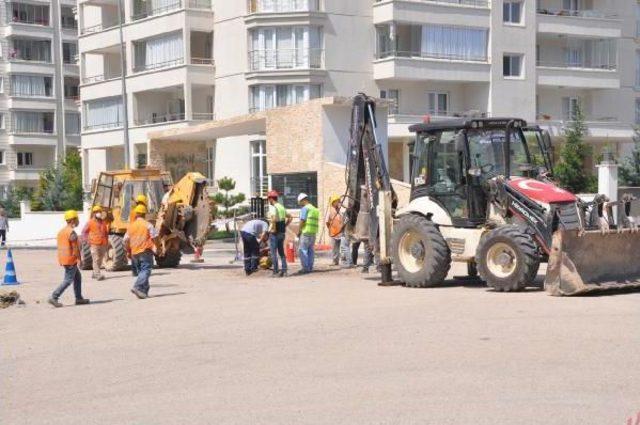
[145,9]
[578,75]
[282,6]
[431,66]
[597,127]
[473,13]
[286,59]
[167,105]
[144,67]
[400,119]
[585,23]
[23,173]
[28,14]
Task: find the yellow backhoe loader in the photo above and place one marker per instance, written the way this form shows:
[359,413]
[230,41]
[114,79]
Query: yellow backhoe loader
[182,221]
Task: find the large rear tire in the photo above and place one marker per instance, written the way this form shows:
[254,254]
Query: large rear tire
[421,254]
[170,260]
[116,258]
[86,260]
[507,259]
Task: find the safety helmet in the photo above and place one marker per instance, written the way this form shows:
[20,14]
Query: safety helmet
[265,263]
[70,215]
[333,199]
[141,199]
[302,196]
[272,194]
[96,208]
[140,209]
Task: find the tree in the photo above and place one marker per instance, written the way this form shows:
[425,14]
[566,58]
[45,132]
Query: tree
[12,202]
[225,199]
[60,188]
[570,172]
[630,167]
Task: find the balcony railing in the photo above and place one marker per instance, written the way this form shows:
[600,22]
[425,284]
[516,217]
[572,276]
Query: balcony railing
[395,111]
[159,65]
[159,119]
[436,55]
[152,11]
[578,13]
[202,61]
[571,117]
[199,4]
[204,116]
[473,3]
[102,126]
[99,27]
[283,6]
[584,65]
[260,60]
[99,77]
[44,22]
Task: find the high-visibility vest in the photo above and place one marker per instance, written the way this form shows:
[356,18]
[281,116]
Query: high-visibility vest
[311,223]
[335,223]
[139,237]
[68,248]
[281,218]
[98,232]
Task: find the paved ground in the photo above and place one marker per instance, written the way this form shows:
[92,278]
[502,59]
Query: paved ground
[213,347]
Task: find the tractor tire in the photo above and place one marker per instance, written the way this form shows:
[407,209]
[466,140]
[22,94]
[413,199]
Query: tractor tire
[116,258]
[170,260]
[86,260]
[507,259]
[421,255]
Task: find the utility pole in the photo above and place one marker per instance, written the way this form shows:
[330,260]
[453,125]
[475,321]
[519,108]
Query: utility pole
[58,60]
[123,78]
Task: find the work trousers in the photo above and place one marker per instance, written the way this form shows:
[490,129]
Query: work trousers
[98,253]
[307,252]
[71,275]
[336,251]
[368,253]
[276,248]
[3,236]
[144,263]
[251,252]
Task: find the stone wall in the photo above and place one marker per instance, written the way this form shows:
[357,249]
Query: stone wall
[178,158]
[396,160]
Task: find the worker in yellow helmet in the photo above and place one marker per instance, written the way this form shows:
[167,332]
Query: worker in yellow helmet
[96,234]
[69,257]
[138,242]
[139,200]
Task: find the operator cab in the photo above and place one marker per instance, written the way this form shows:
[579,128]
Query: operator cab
[454,159]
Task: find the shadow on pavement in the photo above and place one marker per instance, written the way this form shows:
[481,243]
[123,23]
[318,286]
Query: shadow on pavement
[97,302]
[168,294]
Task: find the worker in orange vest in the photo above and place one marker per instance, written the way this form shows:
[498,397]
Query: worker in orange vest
[69,257]
[139,200]
[96,234]
[138,242]
[335,225]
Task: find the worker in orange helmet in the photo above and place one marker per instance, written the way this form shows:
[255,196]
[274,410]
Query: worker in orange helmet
[69,257]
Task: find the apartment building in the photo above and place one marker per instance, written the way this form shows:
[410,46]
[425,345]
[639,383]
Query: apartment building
[39,78]
[432,59]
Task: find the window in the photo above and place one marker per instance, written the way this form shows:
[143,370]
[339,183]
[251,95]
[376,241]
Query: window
[211,163]
[637,68]
[27,122]
[394,97]
[31,85]
[67,18]
[71,88]
[72,123]
[438,103]
[285,47]
[262,97]
[25,159]
[259,182]
[1,84]
[279,6]
[572,5]
[31,50]
[2,158]
[512,65]
[103,113]
[570,106]
[638,111]
[69,52]
[30,13]
[291,185]
[141,160]
[512,12]
[458,43]
[158,52]
[2,123]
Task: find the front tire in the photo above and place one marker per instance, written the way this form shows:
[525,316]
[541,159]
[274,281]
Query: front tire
[507,259]
[86,260]
[116,258]
[421,254]
[170,260]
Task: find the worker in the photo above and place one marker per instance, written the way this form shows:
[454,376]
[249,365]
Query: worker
[279,219]
[69,257]
[253,234]
[139,200]
[309,218]
[335,226]
[167,194]
[96,234]
[138,242]
[4,226]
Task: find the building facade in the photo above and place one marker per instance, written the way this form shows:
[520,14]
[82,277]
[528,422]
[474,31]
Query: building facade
[39,88]
[188,60]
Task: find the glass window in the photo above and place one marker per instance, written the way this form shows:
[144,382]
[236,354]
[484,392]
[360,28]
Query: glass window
[291,185]
[259,181]
[438,103]
[394,96]
[1,157]
[512,66]
[512,12]
[486,149]
[25,159]
[638,111]
[570,107]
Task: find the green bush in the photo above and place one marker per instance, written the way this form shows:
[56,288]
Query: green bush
[60,187]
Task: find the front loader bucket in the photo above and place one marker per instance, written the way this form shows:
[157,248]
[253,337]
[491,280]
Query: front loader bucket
[593,261]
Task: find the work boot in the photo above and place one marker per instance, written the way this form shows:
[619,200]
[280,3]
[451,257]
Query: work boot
[141,295]
[82,301]
[365,269]
[283,273]
[275,274]
[55,303]
[101,277]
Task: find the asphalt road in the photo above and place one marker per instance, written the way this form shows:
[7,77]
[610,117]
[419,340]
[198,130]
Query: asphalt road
[214,347]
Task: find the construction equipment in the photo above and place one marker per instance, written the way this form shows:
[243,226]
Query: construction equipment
[482,194]
[182,221]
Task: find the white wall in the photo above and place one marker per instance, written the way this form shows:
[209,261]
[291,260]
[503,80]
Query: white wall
[38,229]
